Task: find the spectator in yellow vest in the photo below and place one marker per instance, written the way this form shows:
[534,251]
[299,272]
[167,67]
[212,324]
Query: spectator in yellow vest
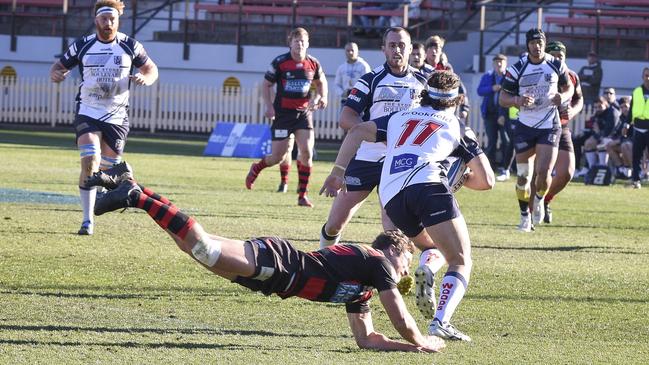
[640,122]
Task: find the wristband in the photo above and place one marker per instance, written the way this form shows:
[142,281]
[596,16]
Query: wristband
[340,167]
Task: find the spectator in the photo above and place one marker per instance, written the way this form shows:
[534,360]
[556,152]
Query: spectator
[591,78]
[640,122]
[619,148]
[413,13]
[349,72]
[494,115]
[381,23]
[609,94]
[598,132]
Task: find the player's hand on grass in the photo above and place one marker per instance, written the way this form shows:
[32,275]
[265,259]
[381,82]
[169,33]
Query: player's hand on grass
[435,344]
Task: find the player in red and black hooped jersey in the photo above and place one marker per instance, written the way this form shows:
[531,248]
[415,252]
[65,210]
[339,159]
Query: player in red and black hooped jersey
[342,274]
[292,75]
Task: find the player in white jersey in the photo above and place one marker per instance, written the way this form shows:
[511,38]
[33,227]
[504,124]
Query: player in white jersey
[105,61]
[389,88]
[537,84]
[414,184]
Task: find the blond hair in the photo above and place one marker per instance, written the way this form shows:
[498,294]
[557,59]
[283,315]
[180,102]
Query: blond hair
[115,4]
[297,32]
[435,39]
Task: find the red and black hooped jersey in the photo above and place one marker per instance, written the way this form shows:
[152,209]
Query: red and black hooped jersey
[293,80]
[336,274]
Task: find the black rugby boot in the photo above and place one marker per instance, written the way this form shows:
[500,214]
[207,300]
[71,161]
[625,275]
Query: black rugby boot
[123,196]
[111,177]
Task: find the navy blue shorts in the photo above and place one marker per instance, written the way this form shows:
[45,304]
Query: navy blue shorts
[422,205]
[286,123]
[526,137]
[114,135]
[363,175]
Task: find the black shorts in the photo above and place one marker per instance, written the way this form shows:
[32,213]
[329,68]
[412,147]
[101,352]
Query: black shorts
[565,141]
[362,175]
[286,123]
[114,135]
[275,266]
[526,138]
[422,205]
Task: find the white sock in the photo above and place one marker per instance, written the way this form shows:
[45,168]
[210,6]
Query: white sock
[451,292]
[88,203]
[327,240]
[433,258]
[591,157]
[603,158]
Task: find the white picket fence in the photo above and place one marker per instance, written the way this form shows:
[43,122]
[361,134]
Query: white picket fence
[172,107]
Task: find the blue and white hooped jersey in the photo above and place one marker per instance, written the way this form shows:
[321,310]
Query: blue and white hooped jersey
[380,93]
[105,69]
[419,142]
[540,81]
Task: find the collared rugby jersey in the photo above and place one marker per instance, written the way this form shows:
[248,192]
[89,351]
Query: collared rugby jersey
[540,81]
[380,93]
[105,69]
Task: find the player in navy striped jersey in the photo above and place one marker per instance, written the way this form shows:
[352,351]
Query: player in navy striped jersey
[105,60]
[389,88]
[538,84]
[414,183]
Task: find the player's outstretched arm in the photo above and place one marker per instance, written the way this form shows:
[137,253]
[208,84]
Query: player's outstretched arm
[58,72]
[349,118]
[361,132]
[366,337]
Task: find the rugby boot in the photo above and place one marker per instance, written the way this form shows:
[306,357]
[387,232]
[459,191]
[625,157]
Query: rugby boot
[425,291]
[282,188]
[304,201]
[548,214]
[123,196]
[446,331]
[112,177]
[252,176]
[526,224]
[87,229]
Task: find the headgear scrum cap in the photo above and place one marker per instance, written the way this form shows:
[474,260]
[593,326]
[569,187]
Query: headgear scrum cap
[555,46]
[534,34]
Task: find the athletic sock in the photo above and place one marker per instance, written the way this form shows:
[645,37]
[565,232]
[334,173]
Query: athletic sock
[256,168]
[591,158]
[87,196]
[451,292]
[603,157]
[326,239]
[155,196]
[432,258]
[548,198]
[524,205]
[165,215]
[304,172]
[283,172]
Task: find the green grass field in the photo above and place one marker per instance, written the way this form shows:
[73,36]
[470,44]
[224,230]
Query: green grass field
[573,292]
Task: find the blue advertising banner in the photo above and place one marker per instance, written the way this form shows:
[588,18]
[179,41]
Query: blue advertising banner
[239,140]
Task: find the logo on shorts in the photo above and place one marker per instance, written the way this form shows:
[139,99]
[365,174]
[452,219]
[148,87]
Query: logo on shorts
[281,133]
[403,162]
[352,180]
[119,144]
[552,138]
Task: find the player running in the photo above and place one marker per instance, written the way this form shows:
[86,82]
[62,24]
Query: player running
[105,61]
[538,84]
[414,184]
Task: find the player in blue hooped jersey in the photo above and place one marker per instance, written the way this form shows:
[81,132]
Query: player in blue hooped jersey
[105,60]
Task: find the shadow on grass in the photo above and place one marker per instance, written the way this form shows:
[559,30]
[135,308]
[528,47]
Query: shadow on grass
[593,249]
[161,331]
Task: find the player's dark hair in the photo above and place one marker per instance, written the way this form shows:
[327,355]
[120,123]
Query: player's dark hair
[396,239]
[442,80]
[395,30]
[418,45]
[116,4]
